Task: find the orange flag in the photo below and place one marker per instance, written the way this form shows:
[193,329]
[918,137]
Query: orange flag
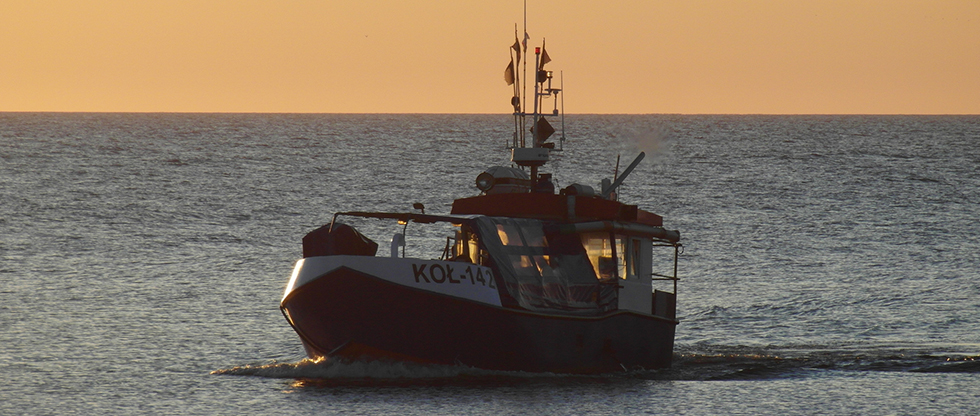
[544,57]
[517,49]
[509,72]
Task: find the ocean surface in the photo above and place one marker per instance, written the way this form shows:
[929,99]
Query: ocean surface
[831,263]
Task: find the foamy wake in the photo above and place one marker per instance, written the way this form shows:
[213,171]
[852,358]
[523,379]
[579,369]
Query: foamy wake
[335,369]
[721,364]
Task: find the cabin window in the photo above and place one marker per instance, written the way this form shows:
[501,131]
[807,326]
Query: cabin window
[534,237]
[473,250]
[467,247]
[510,235]
[608,261]
[523,265]
[532,253]
[598,247]
[536,264]
[541,268]
[546,265]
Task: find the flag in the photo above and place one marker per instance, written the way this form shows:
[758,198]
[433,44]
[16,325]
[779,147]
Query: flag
[542,130]
[544,57]
[524,44]
[517,48]
[509,72]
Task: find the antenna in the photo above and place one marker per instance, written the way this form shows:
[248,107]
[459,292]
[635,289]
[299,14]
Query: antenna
[523,126]
[619,180]
[561,86]
[532,152]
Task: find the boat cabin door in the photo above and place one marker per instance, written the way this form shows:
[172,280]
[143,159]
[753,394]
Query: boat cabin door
[636,288]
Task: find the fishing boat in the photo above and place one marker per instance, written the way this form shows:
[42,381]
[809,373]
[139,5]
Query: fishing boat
[519,277]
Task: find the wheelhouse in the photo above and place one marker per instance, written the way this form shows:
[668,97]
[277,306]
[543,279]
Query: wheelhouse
[580,269]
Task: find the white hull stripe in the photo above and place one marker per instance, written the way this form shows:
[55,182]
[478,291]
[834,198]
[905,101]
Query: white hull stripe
[458,279]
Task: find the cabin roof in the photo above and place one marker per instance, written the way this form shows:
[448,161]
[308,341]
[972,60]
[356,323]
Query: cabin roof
[554,207]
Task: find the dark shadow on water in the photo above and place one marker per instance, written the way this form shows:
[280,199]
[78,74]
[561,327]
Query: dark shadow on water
[747,363]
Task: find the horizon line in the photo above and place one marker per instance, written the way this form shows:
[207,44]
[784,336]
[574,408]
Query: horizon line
[493,114]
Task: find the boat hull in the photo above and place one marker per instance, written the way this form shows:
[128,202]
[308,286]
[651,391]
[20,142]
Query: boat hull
[347,313]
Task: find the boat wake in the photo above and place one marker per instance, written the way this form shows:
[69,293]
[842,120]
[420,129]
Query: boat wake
[700,364]
[744,363]
[354,372]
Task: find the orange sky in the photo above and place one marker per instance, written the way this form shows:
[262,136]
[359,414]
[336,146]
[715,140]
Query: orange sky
[448,56]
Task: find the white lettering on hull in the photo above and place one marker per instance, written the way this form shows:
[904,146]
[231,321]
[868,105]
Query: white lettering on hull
[462,280]
[447,273]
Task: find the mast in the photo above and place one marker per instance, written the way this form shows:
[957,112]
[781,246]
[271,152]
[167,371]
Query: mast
[535,154]
[524,71]
[561,86]
[534,120]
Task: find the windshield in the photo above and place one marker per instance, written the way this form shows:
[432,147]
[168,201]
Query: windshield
[543,270]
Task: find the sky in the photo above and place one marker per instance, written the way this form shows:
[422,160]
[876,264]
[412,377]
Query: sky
[449,56]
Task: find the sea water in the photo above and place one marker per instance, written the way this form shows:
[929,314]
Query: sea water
[831,264]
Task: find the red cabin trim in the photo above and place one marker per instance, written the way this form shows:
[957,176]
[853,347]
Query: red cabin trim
[553,207]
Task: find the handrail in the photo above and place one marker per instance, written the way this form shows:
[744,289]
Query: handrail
[664,277]
[445,251]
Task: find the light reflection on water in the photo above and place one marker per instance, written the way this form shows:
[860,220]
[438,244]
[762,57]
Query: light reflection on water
[828,259]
